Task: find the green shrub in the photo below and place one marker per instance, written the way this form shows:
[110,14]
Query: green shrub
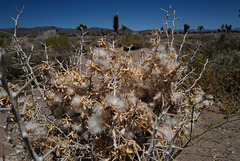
[137,40]
[58,43]
[1,42]
[222,76]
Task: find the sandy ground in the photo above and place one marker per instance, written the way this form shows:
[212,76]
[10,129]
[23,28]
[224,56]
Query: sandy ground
[221,143]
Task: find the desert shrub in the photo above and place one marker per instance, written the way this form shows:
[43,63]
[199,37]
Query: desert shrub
[1,42]
[138,41]
[222,76]
[116,109]
[58,43]
[115,106]
[45,35]
[116,101]
[15,72]
[59,47]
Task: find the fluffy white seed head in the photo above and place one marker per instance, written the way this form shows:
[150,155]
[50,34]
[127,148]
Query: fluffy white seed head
[35,128]
[97,109]
[167,131]
[115,103]
[198,98]
[206,103]
[100,52]
[57,98]
[70,90]
[95,124]
[76,101]
[132,98]
[176,96]
[157,96]
[77,127]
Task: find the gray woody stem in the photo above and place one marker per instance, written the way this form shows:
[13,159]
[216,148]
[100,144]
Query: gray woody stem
[14,109]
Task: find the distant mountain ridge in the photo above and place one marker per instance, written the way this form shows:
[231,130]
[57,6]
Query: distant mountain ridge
[36,31]
[236,29]
[93,31]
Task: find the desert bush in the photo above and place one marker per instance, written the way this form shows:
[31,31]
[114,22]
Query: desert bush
[222,75]
[1,42]
[116,109]
[59,47]
[138,41]
[45,35]
[58,43]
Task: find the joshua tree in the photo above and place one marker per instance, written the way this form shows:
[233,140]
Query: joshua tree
[222,28]
[115,23]
[239,12]
[84,27]
[186,27]
[200,28]
[228,27]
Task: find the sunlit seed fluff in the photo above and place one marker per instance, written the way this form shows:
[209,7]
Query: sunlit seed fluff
[2,92]
[206,103]
[100,52]
[70,90]
[102,62]
[77,127]
[97,109]
[200,92]
[189,124]
[186,110]
[157,96]
[210,96]
[95,124]
[172,121]
[115,103]
[196,114]
[123,131]
[76,101]
[198,98]
[130,134]
[31,126]
[35,128]
[176,96]
[168,133]
[50,94]
[151,104]
[65,127]
[173,53]
[57,98]
[132,98]
[186,132]
[84,85]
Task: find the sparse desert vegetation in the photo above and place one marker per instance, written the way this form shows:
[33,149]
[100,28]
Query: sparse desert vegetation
[86,97]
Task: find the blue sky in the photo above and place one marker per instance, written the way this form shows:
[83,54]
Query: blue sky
[135,14]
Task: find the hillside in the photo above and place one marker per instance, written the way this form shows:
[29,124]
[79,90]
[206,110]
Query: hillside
[93,31]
